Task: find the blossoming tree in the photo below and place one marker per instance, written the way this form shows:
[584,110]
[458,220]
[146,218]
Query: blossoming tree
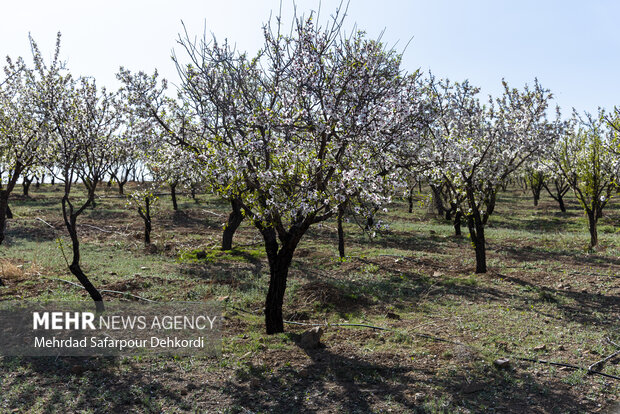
[477,147]
[23,125]
[294,132]
[83,124]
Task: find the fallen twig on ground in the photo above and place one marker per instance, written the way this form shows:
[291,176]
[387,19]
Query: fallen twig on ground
[103,290]
[45,222]
[214,213]
[103,230]
[561,364]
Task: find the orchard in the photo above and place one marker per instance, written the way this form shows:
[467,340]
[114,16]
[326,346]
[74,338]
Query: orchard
[246,180]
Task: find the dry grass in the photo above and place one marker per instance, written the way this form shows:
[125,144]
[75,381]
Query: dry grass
[11,271]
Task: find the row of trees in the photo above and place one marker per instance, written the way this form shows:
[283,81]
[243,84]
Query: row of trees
[583,158]
[317,123]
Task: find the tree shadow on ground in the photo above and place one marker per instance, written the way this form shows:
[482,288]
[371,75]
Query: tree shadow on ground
[588,308]
[50,385]
[569,257]
[18,232]
[243,276]
[361,385]
[402,287]
[412,241]
[185,219]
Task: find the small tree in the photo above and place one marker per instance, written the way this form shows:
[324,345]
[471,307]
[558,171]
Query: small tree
[83,121]
[535,178]
[144,201]
[584,157]
[557,186]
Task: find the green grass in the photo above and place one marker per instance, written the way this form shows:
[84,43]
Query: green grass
[216,255]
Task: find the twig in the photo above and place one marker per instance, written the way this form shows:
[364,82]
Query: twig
[304,324]
[97,228]
[613,343]
[43,221]
[361,325]
[103,290]
[560,364]
[393,255]
[104,230]
[127,294]
[249,244]
[215,214]
[62,250]
[242,310]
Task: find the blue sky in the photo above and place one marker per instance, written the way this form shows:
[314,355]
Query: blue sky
[572,47]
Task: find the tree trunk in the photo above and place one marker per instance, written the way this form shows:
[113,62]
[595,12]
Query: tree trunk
[476,232]
[558,196]
[278,272]
[481,254]
[490,207]
[3,216]
[147,232]
[146,217]
[475,223]
[561,203]
[536,186]
[122,180]
[234,221]
[592,219]
[173,193]
[279,262]
[147,220]
[437,200]
[4,209]
[410,200]
[26,186]
[340,232]
[457,223]
[74,267]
